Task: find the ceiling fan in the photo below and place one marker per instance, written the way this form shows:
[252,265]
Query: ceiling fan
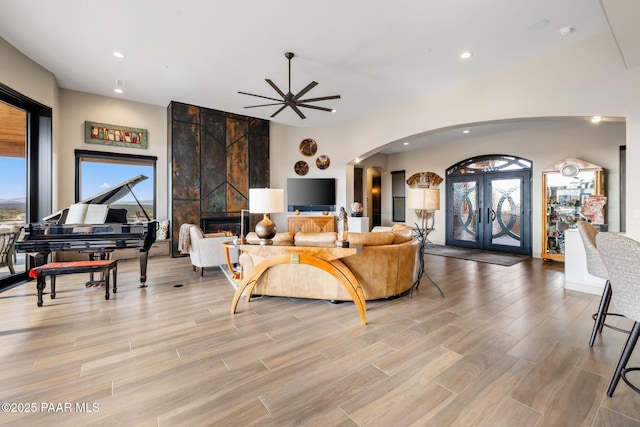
[291,100]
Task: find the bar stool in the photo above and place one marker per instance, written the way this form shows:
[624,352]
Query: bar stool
[621,256]
[596,268]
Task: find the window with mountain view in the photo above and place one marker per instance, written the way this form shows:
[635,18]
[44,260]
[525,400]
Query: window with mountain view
[96,172]
[13,186]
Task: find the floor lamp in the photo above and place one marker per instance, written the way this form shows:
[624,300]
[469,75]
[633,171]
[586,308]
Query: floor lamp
[425,201]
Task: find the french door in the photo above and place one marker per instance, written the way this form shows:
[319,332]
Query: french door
[490,210]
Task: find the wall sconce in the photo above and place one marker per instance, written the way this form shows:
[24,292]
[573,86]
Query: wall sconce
[266,201]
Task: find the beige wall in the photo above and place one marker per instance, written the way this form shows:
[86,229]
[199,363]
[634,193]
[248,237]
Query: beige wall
[544,146]
[78,107]
[584,79]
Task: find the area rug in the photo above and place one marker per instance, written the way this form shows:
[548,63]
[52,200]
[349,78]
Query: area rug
[475,255]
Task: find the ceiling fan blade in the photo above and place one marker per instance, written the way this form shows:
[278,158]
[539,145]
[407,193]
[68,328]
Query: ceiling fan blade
[279,109]
[265,105]
[322,98]
[276,88]
[305,90]
[260,96]
[315,107]
[297,110]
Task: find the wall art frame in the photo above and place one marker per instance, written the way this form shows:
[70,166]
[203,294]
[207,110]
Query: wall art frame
[121,136]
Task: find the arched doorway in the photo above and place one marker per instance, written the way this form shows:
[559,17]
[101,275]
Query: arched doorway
[488,203]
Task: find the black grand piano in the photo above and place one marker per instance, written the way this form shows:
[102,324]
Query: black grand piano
[54,234]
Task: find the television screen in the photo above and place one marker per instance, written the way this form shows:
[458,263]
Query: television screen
[311,194]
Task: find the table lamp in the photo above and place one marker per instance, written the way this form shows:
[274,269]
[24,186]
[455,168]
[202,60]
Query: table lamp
[425,201]
[266,201]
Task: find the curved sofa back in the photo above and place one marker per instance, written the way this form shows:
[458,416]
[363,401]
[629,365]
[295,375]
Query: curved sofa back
[382,270]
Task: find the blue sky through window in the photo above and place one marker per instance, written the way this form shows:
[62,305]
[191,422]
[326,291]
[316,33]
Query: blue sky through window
[13,178]
[97,177]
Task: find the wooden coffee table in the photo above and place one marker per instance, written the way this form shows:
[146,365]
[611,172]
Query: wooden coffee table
[324,258]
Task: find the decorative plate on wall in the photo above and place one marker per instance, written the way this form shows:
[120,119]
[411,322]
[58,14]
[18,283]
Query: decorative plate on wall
[322,162]
[301,167]
[308,147]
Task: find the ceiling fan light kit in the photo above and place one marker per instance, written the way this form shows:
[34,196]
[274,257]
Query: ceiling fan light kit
[289,99]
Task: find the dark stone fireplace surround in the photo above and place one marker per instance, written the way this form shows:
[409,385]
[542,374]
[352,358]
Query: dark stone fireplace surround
[215,158]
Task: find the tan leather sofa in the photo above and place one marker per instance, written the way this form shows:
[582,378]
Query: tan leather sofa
[386,266]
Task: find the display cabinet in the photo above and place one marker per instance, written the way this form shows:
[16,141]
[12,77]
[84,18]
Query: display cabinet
[566,187]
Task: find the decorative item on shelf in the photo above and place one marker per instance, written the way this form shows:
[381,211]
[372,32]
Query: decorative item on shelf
[426,201]
[308,147]
[343,229]
[266,201]
[356,209]
[296,212]
[325,213]
[323,162]
[593,208]
[301,167]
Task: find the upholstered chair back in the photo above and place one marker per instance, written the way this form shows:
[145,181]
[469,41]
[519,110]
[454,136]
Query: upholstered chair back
[588,233]
[621,257]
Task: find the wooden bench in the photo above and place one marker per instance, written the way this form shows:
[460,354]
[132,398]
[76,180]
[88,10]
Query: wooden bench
[71,267]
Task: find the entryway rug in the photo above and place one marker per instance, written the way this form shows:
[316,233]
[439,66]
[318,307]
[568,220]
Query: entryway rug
[475,255]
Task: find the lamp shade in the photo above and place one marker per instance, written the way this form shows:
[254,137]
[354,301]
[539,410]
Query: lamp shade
[423,198]
[266,200]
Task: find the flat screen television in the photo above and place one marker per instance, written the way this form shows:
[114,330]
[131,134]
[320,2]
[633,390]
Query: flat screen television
[311,194]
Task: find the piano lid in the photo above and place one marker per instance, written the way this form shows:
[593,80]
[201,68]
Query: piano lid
[114,193]
[108,196]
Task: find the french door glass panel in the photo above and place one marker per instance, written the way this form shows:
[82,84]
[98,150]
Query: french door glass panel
[506,206]
[465,206]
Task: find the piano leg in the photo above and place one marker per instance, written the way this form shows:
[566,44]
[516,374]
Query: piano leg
[144,255]
[40,284]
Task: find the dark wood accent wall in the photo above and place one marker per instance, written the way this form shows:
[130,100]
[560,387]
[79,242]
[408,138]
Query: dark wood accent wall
[215,158]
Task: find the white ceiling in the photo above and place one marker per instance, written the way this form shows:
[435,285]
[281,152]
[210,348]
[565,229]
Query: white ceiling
[374,53]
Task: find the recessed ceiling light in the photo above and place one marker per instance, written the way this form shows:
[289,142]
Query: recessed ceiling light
[466,55]
[118,90]
[596,119]
[333,111]
[564,31]
[405,143]
[118,54]
[466,131]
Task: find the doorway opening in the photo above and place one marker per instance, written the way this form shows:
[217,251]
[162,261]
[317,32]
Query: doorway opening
[488,204]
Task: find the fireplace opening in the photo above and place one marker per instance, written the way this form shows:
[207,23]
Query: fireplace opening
[228,225]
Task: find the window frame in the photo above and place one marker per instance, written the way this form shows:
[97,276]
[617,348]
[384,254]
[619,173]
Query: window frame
[119,158]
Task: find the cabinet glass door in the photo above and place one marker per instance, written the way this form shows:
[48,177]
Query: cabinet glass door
[563,199]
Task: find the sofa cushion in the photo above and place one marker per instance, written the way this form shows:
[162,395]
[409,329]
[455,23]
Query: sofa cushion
[372,238]
[303,238]
[401,233]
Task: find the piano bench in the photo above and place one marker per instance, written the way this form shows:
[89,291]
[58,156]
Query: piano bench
[71,267]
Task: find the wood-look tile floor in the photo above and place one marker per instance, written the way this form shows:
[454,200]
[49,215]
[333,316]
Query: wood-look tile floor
[507,346]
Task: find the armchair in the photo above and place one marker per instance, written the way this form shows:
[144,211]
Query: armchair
[206,250]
